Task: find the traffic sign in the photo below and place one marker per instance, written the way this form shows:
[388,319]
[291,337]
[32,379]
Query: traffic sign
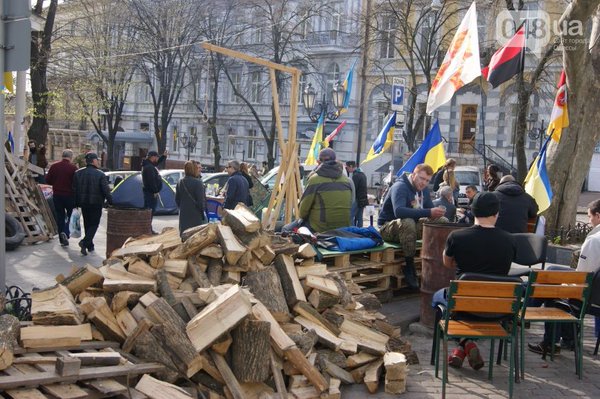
[398,94]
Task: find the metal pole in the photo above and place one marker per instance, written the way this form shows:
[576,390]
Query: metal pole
[363,82]
[482,123]
[542,134]
[2,160]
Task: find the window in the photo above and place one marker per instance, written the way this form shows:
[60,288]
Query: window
[231,144]
[193,132]
[255,87]
[209,146]
[332,76]
[468,128]
[236,77]
[301,87]
[388,38]
[251,145]
[257,36]
[144,126]
[306,26]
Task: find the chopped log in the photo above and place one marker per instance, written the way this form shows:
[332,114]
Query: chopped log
[253,240]
[317,269]
[157,261]
[109,328]
[296,357]
[54,306]
[308,312]
[241,219]
[147,250]
[222,344]
[177,267]
[265,254]
[277,376]
[110,285]
[174,336]
[189,307]
[395,372]
[306,251]
[304,340]
[139,313]
[98,358]
[232,383]
[290,282]
[337,372]
[206,235]
[67,366]
[326,337]
[212,251]
[250,351]
[173,281]
[214,271]
[372,376]
[345,296]
[257,390]
[45,336]
[143,326]
[9,334]
[148,348]
[365,337]
[323,284]
[218,317]
[210,294]
[190,232]
[188,285]
[321,300]
[167,294]
[141,268]
[369,301]
[388,329]
[231,278]
[266,287]
[123,299]
[126,321]
[82,279]
[359,359]
[157,389]
[280,340]
[199,276]
[230,245]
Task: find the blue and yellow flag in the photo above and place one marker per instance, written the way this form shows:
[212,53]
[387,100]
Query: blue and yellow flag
[8,82]
[537,183]
[384,140]
[347,85]
[431,152]
[317,142]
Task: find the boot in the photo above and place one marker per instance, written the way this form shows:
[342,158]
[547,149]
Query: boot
[409,273]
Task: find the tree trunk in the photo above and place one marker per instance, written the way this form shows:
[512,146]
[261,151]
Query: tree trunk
[523,99]
[251,351]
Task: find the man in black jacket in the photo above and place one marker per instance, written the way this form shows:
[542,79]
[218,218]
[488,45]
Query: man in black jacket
[90,187]
[516,206]
[238,189]
[360,188]
[151,179]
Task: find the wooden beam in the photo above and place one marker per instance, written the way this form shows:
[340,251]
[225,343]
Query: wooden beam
[249,58]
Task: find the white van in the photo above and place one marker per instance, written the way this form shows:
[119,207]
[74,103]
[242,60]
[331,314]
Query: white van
[467,176]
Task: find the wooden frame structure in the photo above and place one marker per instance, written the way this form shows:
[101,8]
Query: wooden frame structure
[287,190]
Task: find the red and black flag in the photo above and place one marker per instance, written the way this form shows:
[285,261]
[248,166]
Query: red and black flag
[507,61]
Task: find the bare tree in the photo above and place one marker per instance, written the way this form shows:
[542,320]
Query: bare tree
[100,67]
[41,48]
[166,33]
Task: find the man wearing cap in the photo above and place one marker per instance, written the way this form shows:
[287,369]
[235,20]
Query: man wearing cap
[482,248]
[404,208]
[327,198]
[90,188]
[60,176]
[238,189]
[516,206]
[151,180]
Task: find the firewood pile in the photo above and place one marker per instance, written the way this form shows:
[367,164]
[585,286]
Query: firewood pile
[230,311]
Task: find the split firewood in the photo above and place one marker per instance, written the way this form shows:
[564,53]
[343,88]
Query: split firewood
[54,306]
[316,269]
[126,321]
[9,335]
[323,284]
[395,372]
[157,389]
[321,300]
[306,251]
[363,336]
[265,285]
[373,375]
[212,251]
[141,268]
[222,344]
[206,235]
[51,336]
[123,299]
[214,271]
[157,261]
[290,282]
[232,383]
[177,267]
[308,312]
[82,279]
[167,294]
[232,248]
[241,219]
[147,250]
[250,351]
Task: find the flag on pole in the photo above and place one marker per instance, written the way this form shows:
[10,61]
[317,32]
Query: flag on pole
[537,183]
[384,140]
[317,142]
[560,112]
[507,61]
[347,85]
[461,64]
[431,152]
[11,142]
[8,82]
[332,135]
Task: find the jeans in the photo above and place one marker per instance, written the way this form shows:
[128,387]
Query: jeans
[150,201]
[63,205]
[91,221]
[357,215]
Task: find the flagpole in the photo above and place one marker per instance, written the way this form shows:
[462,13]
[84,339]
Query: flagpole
[482,123]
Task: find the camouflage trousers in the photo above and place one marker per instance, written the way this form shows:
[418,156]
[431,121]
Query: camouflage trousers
[406,232]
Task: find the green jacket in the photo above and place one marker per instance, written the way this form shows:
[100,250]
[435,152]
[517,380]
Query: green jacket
[327,198]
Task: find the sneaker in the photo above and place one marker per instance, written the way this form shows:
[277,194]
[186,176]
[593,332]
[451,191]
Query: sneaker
[64,241]
[91,248]
[543,348]
[456,358]
[83,249]
[473,355]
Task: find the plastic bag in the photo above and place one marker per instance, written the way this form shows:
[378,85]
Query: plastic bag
[75,224]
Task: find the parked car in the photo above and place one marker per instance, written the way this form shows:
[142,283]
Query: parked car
[116,176]
[172,176]
[268,180]
[466,176]
[209,179]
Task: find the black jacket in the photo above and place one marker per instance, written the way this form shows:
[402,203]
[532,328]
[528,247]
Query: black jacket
[516,207]
[360,186]
[237,191]
[151,180]
[90,187]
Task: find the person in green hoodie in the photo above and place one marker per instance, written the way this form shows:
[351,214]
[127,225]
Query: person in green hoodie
[327,198]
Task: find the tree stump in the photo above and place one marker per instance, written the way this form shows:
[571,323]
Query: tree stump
[251,350]
[9,333]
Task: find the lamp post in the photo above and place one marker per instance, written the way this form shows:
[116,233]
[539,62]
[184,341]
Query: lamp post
[314,111]
[534,132]
[189,141]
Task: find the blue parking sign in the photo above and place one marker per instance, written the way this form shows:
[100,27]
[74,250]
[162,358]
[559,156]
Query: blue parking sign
[398,85]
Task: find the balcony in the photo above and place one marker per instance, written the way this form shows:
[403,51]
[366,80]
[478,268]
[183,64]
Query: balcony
[330,40]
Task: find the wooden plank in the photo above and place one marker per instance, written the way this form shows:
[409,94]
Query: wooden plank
[323,284]
[98,358]
[249,58]
[232,383]
[86,345]
[107,386]
[65,391]
[279,338]
[67,366]
[157,389]
[82,331]
[29,393]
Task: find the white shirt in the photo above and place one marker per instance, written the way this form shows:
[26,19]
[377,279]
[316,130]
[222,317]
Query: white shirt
[589,259]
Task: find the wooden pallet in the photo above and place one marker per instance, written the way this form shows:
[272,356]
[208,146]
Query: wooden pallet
[34,375]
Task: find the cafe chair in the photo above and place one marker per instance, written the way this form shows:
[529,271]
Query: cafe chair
[214,210]
[554,284]
[531,250]
[499,300]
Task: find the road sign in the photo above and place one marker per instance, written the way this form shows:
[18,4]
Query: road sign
[398,94]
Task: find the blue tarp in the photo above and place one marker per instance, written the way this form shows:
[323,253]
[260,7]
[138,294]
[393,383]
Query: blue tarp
[349,238]
[128,194]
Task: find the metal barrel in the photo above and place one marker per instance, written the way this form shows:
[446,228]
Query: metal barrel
[125,223]
[434,275]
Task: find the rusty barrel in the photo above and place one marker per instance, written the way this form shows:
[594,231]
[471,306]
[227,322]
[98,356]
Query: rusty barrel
[434,275]
[125,223]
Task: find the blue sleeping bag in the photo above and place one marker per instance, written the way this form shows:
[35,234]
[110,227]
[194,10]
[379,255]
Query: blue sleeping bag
[349,239]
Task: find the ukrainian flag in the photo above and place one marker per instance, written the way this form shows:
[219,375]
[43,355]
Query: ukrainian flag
[317,142]
[431,152]
[384,140]
[347,85]
[537,183]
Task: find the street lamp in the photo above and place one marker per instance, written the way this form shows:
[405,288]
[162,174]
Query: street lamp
[534,132]
[189,141]
[314,111]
